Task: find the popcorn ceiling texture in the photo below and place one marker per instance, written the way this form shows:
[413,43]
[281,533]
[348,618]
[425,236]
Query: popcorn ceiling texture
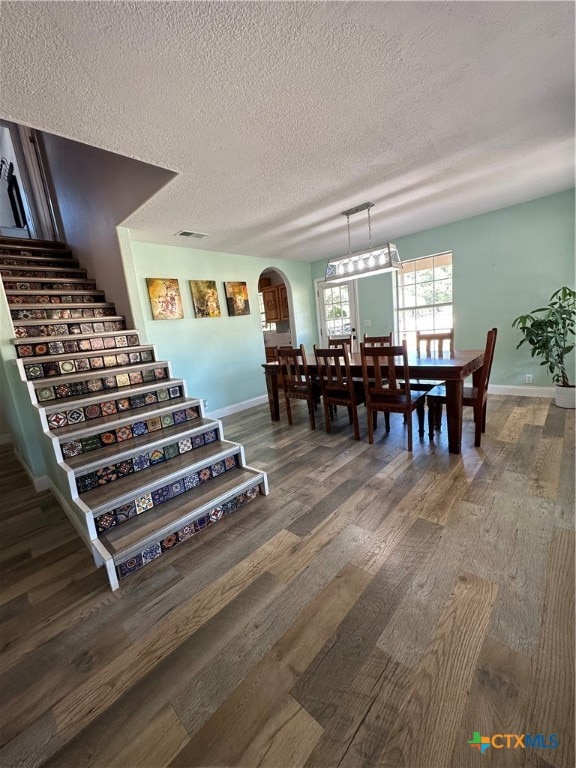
[277,115]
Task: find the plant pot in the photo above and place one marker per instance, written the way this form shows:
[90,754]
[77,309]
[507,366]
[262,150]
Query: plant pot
[566,396]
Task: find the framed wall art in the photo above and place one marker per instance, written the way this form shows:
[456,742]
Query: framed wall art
[205,298]
[237,299]
[165,299]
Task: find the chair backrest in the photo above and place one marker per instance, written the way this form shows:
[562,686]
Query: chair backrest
[338,341]
[378,341]
[435,340]
[381,385]
[486,369]
[294,368]
[333,365]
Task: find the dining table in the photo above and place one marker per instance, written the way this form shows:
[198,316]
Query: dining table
[452,370]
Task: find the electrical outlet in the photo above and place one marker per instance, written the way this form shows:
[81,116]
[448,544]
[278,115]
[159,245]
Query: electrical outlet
[528,378]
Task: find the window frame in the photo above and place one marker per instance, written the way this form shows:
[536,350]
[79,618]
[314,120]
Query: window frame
[399,308]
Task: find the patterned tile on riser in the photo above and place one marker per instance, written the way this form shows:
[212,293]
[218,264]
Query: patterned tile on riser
[36,272]
[75,311]
[113,380]
[38,346]
[156,523]
[129,401]
[93,360]
[38,262]
[92,419]
[192,470]
[48,329]
[142,423]
[37,284]
[185,530]
[28,297]
[145,455]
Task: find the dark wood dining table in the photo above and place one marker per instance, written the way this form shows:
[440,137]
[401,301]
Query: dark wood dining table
[452,370]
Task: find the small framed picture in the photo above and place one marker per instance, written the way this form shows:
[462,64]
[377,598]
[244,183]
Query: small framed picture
[237,299]
[205,298]
[165,299]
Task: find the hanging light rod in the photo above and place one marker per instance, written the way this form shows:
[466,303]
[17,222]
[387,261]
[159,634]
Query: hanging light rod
[357,209]
[365,263]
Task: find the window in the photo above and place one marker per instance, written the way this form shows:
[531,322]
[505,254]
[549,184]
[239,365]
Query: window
[424,296]
[265,325]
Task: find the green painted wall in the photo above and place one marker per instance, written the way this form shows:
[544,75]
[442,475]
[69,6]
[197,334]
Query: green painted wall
[220,358]
[505,263]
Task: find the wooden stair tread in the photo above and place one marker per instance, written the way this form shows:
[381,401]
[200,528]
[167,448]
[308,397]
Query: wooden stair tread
[102,423]
[63,320]
[76,336]
[87,353]
[123,490]
[97,374]
[54,292]
[159,521]
[36,279]
[78,272]
[65,305]
[33,243]
[93,398]
[101,457]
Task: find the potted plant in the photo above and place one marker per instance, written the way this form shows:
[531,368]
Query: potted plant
[550,332]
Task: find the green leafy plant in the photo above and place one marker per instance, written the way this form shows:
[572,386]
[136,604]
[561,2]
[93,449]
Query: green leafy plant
[550,332]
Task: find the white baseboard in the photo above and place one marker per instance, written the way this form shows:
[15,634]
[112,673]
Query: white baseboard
[40,482]
[521,391]
[237,407]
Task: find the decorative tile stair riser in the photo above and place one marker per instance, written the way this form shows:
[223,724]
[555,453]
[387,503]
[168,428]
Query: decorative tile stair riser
[145,467]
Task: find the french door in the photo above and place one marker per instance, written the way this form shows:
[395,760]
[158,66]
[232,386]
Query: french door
[337,310]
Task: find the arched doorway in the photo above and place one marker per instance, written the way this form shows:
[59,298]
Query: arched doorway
[275,313]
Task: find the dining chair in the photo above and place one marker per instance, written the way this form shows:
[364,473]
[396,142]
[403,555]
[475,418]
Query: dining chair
[474,396]
[337,341]
[378,341]
[337,385]
[298,383]
[390,393]
[434,341]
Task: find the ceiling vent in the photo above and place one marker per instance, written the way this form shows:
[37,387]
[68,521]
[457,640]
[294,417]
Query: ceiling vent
[188,233]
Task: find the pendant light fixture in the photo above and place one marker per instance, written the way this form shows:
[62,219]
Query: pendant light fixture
[370,261]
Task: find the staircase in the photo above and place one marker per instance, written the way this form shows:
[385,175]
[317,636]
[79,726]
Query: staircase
[145,467]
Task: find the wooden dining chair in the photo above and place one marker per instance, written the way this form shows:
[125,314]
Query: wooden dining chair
[337,341]
[388,392]
[475,396]
[429,343]
[378,341]
[337,385]
[298,383]
[435,341]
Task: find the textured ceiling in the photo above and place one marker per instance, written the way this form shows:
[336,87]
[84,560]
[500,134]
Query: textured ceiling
[277,116]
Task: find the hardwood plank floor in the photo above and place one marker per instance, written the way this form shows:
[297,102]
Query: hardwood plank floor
[378,608]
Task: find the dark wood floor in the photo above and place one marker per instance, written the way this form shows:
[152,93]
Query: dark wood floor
[376,609]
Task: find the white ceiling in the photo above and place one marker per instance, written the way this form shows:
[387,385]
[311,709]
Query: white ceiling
[277,116]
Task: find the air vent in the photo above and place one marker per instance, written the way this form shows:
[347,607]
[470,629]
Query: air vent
[188,233]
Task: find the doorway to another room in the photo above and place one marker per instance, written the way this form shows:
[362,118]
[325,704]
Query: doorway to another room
[274,304]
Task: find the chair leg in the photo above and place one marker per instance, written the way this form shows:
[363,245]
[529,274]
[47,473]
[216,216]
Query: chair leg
[288,411]
[420,412]
[370,425]
[312,412]
[355,422]
[439,416]
[477,428]
[327,410]
[387,421]
[431,418]
[484,418]
[350,418]
[409,431]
